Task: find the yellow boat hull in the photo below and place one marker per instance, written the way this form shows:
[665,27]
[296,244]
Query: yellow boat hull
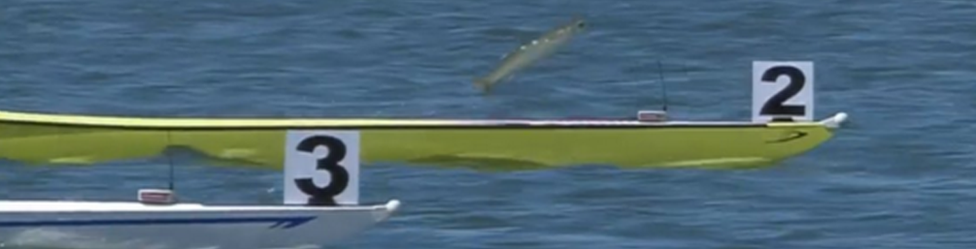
[72,139]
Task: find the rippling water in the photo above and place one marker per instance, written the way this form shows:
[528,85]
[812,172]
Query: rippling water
[899,176]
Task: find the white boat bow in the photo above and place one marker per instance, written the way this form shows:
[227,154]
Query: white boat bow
[834,122]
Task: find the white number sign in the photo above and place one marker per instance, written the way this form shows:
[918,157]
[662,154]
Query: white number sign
[321,167]
[782,91]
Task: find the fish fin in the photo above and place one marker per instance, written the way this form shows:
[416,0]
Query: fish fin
[484,84]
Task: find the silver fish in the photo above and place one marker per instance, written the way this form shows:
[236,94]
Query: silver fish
[529,53]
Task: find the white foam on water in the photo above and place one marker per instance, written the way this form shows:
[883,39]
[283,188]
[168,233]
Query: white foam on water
[54,239]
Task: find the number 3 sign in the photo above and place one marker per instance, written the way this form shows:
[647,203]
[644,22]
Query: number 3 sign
[782,91]
[329,156]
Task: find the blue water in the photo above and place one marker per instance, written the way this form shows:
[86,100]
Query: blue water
[899,175]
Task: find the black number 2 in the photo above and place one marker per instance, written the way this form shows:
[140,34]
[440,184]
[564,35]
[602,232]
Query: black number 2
[340,177]
[775,105]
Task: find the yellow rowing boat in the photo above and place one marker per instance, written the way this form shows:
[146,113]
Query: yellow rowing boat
[501,144]
[76,139]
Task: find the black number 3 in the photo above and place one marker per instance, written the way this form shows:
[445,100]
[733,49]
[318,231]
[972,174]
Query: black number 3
[775,106]
[340,177]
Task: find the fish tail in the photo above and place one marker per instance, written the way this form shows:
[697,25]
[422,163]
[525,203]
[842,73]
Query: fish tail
[483,83]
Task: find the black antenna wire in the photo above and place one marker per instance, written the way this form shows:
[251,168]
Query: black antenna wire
[172,173]
[664,87]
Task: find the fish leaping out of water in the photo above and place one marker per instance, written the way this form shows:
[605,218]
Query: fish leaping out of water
[529,53]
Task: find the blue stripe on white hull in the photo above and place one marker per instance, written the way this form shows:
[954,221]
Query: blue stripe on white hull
[282,223]
[184,225]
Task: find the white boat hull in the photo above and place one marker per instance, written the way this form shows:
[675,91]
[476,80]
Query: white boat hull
[69,224]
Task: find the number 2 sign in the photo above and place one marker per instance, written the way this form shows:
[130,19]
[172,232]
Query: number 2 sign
[782,91]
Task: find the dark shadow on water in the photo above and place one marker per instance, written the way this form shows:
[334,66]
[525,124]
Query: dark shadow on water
[179,153]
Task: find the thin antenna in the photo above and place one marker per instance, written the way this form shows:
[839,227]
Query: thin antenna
[172,172]
[664,87]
